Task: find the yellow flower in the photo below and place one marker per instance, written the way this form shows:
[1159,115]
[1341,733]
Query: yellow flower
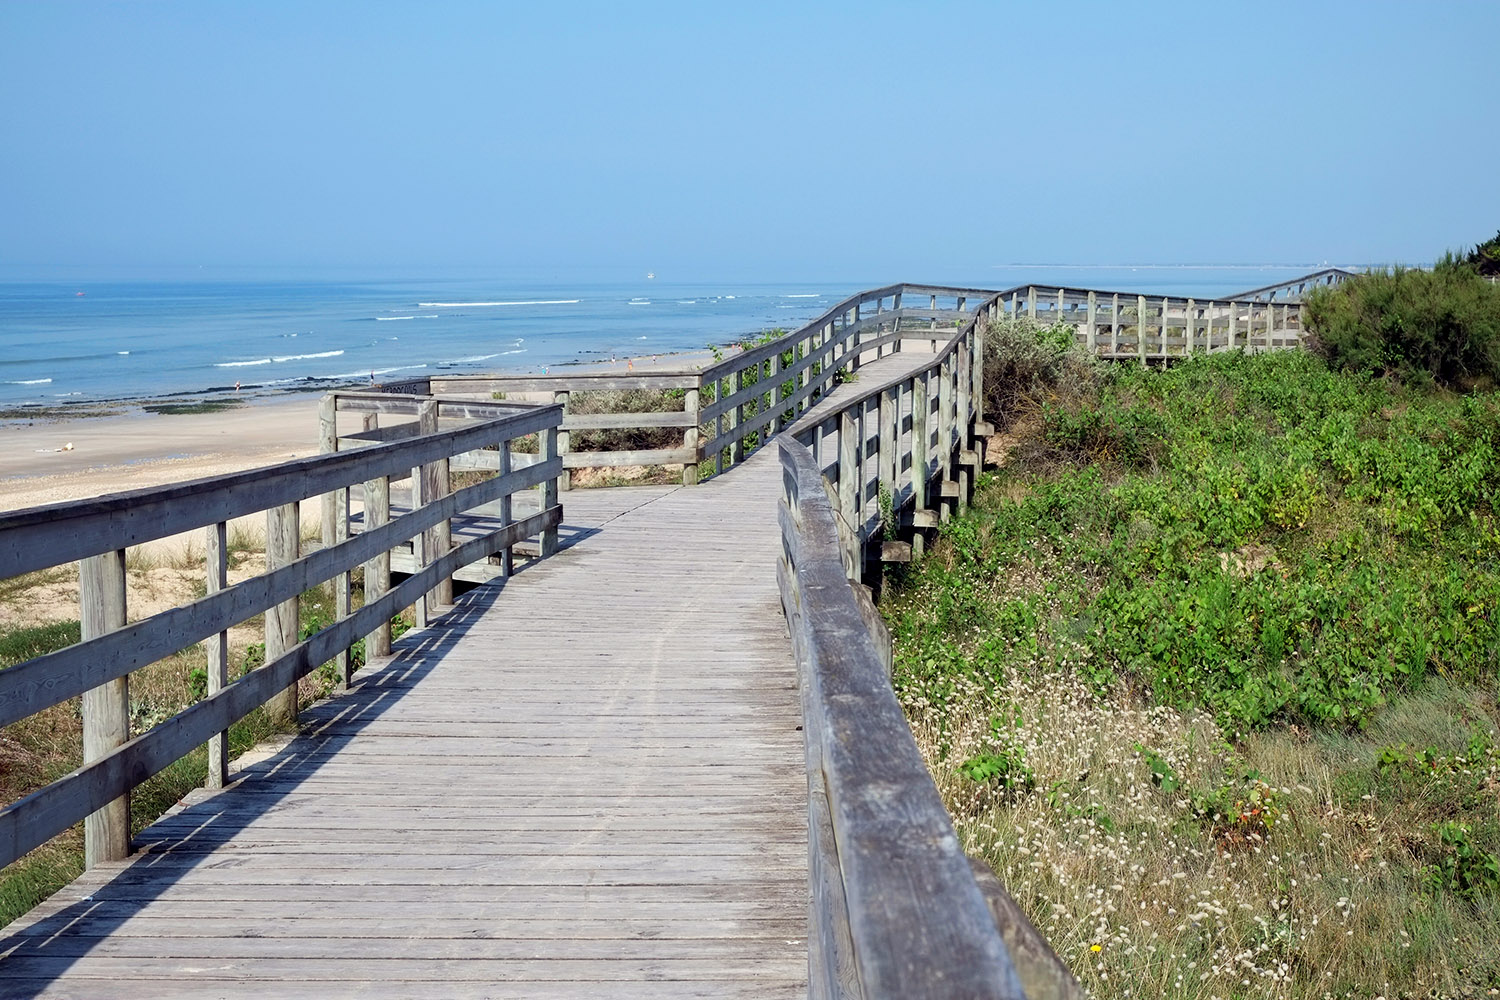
[1096,947]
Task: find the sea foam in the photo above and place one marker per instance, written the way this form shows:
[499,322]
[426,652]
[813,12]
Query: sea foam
[526,302]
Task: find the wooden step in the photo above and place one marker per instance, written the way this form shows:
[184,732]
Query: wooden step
[895,552]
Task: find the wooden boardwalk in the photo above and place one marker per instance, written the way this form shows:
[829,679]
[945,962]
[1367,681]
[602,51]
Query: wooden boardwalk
[587,782]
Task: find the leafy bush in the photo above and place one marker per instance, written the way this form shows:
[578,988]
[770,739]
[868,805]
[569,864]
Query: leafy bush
[1485,258]
[1462,867]
[1443,323]
[626,401]
[1028,366]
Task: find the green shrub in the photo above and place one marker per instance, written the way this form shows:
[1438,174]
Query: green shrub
[1443,323]
[1485,258]
[1028,366]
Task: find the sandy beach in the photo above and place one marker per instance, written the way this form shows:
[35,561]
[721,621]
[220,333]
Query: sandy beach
[112,454]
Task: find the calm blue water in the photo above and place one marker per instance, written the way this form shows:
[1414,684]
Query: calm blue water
[132,339]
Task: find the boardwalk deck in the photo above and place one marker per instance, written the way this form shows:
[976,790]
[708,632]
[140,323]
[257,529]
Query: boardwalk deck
[587,782]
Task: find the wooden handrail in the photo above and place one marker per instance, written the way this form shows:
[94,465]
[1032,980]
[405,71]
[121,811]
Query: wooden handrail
[895,908]
[97,532]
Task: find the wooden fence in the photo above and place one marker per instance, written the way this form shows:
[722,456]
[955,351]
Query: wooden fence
[897,909]
[727,411]
[717,416]
[96,534]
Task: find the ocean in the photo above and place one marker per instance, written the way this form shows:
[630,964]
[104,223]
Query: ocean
[89,341]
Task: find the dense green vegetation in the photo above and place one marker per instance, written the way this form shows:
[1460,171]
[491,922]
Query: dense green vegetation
[1209,671]
[1442,324]
[1256,535]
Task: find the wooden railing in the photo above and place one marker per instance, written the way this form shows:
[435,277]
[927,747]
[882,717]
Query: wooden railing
[732,408]
[1126,325]
[96,533]
[897,909]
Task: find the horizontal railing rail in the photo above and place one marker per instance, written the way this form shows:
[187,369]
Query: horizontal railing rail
[1296,288]
[96,534]
[895,908]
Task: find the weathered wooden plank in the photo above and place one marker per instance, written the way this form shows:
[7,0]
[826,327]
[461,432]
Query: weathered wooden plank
[652,987]
[52,534]
[105,707]
[607,421]
[912,903]
[29,687]
[586,382]
[216,566]
[610,459]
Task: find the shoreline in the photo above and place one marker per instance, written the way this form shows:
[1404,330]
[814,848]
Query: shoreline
[113,446]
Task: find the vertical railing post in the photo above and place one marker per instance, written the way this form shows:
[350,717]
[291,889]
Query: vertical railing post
[429,485]
[564,439]
[547,491]
[848,480]
[1031,302]
[335,525]
[887,444]
[1234,315]
[976,392]
[690,438]
[343,590]
[1192,307]
[1140,328]
[1163,335]
[776,425]
[328,443]
[962,376]
[736,416]
[945,426]
[1092,336]
[283,543]
[851,346]
[1114,325]
[919,412]
[507,514]
[216,566]
[106,708]
[378,570]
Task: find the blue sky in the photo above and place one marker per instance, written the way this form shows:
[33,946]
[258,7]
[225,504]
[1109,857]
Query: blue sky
[728,140]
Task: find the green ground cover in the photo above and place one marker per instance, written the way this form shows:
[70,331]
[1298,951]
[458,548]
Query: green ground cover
[1209,673]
